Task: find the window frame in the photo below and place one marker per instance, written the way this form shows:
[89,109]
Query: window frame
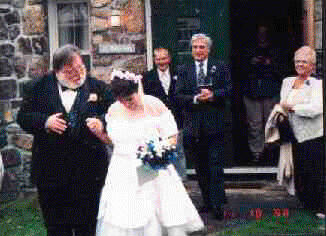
[54,31]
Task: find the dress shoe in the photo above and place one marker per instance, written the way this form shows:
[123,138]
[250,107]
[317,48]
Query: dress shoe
[257,158]
[218,213]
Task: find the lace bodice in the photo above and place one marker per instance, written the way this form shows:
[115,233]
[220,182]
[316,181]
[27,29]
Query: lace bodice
[128,133]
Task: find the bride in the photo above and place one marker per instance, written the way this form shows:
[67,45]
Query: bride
[137,201]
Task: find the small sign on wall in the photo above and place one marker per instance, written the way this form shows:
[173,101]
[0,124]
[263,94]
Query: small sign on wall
[114,48]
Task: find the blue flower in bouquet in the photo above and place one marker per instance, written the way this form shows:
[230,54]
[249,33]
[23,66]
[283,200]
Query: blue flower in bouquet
[157,154]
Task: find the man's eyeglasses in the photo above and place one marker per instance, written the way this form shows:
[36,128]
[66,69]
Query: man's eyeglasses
[73,70]
[301,61]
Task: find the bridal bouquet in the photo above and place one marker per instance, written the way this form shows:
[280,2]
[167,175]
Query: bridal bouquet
[156,154]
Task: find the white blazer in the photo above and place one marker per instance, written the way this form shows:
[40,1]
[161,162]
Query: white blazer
[307,118]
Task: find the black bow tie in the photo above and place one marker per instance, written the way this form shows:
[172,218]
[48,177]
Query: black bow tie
[64,88]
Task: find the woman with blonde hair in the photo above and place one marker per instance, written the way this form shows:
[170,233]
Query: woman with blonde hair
[302,99]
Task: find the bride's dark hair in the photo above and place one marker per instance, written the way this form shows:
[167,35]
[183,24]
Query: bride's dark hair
[123,87]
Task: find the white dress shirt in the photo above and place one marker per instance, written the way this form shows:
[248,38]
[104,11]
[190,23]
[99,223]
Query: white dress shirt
[165,78]
[204,66]
[67,97]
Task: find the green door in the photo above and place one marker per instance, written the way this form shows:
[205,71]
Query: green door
[173,24]
[175,21]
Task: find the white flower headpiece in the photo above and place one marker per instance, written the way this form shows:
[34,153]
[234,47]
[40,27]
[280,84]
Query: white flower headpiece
[126,75]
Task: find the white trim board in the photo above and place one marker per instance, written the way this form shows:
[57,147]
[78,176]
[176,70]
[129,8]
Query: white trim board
[244,170]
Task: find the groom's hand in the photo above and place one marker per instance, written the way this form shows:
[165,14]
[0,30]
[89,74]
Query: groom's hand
[55,123]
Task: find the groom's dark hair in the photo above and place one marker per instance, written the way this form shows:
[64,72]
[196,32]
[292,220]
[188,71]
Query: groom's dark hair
[123,87]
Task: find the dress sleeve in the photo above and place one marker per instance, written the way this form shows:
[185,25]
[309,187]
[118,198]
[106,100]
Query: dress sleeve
[110,116]
[167,124]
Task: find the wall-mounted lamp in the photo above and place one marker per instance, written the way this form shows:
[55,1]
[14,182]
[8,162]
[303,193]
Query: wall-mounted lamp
[115,19]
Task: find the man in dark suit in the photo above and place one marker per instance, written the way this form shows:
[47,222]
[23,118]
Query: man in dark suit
[201,89]
[160,82]
[69,163]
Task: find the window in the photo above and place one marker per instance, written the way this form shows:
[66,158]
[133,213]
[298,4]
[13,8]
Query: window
[69,24]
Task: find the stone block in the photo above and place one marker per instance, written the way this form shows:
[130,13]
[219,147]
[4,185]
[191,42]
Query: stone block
[7,50]
[6,68]
[11,158]
[132,17]
[40,45]
[20,66]
[39,67]
[4,8]
[136,64]
[3,138]
[100,60]
[33,2]
[12,18]
[99,24]
[24,45]
[23,141]
[34,20]
[9,183]
[14,31]
[3,29]
[97,39]
[8,89]
[101,73]
[18,3]
[103,12]
[99,3]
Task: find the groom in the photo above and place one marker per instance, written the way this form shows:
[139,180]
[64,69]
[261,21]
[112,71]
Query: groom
[69,163]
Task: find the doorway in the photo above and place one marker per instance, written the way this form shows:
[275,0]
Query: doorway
[285,20]
[231,25]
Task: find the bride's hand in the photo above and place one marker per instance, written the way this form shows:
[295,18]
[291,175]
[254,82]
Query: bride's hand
[96,127]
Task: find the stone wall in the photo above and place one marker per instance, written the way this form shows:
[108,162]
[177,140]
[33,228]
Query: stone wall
[131,31]
[23,56]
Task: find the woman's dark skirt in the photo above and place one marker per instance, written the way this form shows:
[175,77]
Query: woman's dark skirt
[309,173]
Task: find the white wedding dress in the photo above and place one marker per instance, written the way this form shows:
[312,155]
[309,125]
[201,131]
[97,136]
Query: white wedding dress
[134,201]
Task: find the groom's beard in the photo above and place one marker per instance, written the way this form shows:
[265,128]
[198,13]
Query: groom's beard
[71,84]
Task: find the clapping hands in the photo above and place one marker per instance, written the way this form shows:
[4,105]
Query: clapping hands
[205,95]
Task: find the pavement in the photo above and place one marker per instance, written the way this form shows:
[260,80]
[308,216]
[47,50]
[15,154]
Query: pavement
[246,201]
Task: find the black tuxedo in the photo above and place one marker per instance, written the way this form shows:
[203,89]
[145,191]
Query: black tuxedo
[69,169]
[204,127]
[153,86]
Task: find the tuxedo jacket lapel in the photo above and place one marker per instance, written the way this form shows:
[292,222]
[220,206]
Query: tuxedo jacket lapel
[54,96]
[158,83]
[81,98]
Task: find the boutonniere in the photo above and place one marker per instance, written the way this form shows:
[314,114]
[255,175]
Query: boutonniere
[213,69]
[175,77]
[92,97]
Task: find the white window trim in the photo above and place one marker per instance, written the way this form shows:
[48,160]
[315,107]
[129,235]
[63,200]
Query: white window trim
[149,40]
[53,27]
